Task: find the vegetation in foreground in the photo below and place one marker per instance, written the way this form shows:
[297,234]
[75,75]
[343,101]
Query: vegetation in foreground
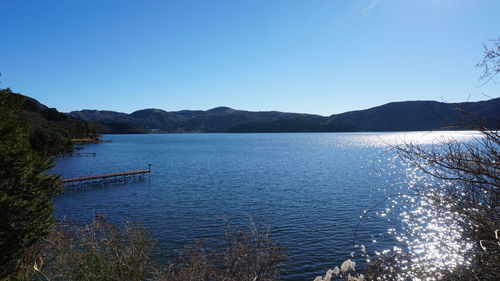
[101,251]
[30,134]
[25,187]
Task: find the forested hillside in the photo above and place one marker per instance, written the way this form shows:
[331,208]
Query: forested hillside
[50,131]
[396,116]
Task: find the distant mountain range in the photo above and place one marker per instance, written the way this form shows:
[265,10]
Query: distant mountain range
[395,116]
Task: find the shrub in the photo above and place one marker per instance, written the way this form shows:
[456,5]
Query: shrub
[245,255]
[472,193]
[101,251]
[98,251]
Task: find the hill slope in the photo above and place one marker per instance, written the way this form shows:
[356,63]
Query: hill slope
[396,116]
[422,115]
[51,131]
[219,119]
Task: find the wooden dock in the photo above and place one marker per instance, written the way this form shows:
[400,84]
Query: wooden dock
[113,178]
[84,154]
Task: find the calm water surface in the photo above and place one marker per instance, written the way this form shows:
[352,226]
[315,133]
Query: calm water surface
[311,188]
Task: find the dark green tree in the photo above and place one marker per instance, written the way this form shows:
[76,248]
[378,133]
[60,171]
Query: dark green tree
[25,188]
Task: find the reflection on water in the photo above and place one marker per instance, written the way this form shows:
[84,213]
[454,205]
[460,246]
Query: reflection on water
[431,238]
[434,239]
[430,241]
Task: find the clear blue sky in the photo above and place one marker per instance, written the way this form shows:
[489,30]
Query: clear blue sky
[313,56]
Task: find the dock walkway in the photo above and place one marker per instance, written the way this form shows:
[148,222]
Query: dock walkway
[112,178]
[83,154]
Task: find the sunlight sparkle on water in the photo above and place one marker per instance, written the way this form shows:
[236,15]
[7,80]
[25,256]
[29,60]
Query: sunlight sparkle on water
[431,239]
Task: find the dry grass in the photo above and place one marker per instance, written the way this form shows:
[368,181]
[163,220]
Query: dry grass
[248,255]
[101,251]
[98,251]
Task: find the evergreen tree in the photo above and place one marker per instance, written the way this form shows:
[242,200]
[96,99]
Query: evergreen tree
[25,188]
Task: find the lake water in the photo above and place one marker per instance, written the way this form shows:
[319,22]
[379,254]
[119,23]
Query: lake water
[311,188]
